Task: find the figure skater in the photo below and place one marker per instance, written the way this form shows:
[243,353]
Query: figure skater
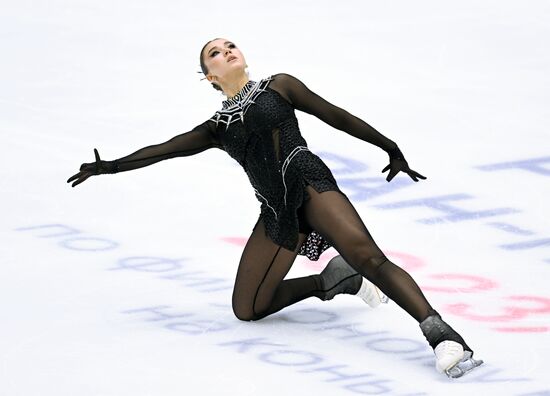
[302,211]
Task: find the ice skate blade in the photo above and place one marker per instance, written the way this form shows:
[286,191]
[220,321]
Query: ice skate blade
[465,365]
[371,294]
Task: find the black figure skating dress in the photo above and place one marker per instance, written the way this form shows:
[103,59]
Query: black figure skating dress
[259,129]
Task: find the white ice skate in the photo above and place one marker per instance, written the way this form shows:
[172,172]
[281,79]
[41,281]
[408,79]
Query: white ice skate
[371,294]
[339,277]
[453,360]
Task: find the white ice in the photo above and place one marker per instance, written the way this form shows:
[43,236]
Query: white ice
[97,295]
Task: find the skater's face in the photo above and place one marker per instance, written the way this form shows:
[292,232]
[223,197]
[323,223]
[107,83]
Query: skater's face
[223,59]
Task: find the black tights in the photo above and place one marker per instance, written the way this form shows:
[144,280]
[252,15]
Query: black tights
[260,288]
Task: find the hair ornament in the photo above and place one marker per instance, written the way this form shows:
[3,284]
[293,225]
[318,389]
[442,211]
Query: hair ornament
[204,78]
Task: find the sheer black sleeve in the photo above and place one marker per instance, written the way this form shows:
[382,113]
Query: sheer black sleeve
[301,98]
[200,138]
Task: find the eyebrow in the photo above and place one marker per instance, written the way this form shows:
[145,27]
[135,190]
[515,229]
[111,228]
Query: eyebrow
[227,42]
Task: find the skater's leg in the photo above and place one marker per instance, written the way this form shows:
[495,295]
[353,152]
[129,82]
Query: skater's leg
[259,286]
[333,216]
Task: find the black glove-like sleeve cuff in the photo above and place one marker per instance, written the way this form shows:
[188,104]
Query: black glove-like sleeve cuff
[109,167]
[396,154]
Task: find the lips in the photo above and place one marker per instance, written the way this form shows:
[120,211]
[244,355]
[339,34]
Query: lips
[231,58]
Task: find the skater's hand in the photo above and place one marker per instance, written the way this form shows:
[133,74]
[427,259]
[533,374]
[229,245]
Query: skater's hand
[93,168]
[397,165]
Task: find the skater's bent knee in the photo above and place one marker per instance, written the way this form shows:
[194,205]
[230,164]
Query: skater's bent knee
[248,317]
[245,318]
[246,314]
[242,312]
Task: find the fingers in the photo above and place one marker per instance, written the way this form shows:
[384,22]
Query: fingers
[398,166]
[414,175]
[411,173]
[393,170]
[419,175]
[86,170]
[79,177]
[75,176]
[76,183]
[392,174]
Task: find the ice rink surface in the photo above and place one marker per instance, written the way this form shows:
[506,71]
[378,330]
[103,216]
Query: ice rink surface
[122,285]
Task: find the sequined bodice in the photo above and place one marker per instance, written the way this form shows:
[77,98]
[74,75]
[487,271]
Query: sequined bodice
[259,129]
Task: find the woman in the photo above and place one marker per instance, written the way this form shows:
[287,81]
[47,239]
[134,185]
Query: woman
[302,209]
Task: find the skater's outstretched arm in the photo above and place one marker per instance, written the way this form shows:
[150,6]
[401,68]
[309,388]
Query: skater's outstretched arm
[302,98]
[200,138]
